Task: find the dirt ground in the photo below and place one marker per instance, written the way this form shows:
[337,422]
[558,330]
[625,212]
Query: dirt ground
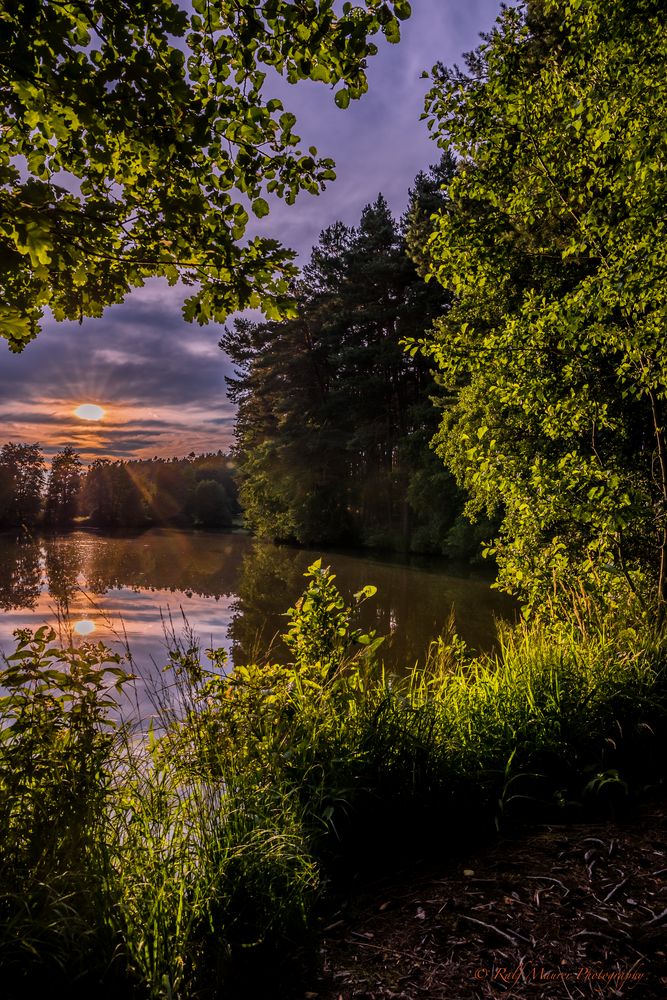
[560,911]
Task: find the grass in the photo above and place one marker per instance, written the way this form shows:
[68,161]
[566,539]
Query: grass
[196,857]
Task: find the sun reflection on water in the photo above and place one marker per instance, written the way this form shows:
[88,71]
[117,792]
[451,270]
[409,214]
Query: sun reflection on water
[84,627]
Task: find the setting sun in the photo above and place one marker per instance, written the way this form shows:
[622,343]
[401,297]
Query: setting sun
[89,411]
[84,627]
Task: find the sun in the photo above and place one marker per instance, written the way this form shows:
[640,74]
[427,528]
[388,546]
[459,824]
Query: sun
[84,627]
[89,411]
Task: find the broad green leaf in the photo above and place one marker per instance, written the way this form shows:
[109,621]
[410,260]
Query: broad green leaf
[260,207]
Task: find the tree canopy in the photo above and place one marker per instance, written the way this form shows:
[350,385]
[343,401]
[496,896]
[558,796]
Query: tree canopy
[143,492]
[136,137]
[114,494]
[553,244]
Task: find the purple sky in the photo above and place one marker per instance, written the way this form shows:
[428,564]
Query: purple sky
[161,379]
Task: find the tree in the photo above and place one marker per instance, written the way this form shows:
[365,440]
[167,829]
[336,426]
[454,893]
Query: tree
[145,133]
[210,505]
[552,241]
[154,491]
[169,485]
[334,419]
[63,488]
[21,483]
[113,496]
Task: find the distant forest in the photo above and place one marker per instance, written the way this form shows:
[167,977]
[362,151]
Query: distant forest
[197,491]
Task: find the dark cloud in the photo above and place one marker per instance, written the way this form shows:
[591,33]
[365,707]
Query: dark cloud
[165,377]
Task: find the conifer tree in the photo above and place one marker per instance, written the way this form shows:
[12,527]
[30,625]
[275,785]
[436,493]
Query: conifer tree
[334,417]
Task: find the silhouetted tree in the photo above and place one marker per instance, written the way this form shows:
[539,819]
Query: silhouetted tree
[96,494]
[334,418]
[21,483]
[157,491]
[63,488]
[210,505]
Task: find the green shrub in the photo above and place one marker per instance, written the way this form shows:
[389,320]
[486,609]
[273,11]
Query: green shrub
[58,744]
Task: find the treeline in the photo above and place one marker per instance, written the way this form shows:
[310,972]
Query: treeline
[334,418]
[197,491]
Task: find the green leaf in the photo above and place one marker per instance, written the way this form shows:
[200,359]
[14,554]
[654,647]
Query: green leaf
[213,103]
[320,73]
[392,31]
[260,208]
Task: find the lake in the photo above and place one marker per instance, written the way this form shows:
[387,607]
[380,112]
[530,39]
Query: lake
[230,589]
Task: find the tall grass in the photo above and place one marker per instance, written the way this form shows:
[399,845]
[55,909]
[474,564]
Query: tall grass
[193,858]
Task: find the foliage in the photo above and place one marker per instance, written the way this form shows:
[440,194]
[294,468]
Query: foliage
[210,505]
[145,133]
[141,492]
[552,241]
[334,420]
[21,483]
[57,742]
[204,843]
[112,496]
[199,874]
[62,493]
[320,623]
[115,494]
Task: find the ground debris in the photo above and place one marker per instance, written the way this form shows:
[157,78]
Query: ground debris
[558,912]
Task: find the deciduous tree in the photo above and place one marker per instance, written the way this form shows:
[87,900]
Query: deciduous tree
[62,492]
[210,505]
[553,243]
[136,137]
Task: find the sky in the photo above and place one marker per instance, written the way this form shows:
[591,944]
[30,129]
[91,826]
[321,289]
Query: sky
[160,380]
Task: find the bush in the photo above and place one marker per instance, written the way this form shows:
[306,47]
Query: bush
[58,747]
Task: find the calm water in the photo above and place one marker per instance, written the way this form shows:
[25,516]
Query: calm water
[231,589]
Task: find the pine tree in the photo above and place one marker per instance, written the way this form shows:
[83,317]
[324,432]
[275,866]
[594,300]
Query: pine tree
[334,417]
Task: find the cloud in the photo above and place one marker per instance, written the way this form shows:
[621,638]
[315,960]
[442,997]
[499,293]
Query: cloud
[109,356]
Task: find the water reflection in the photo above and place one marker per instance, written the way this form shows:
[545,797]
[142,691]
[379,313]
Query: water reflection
[232,590]
[84,627]
[63,566]
[20,574]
